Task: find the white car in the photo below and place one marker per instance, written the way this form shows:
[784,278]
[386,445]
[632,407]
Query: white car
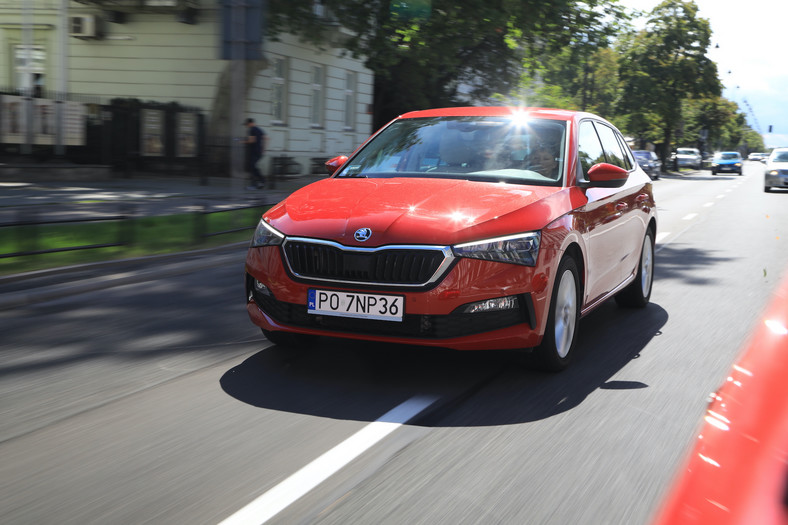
[689,158]
[760,157]
[776,175]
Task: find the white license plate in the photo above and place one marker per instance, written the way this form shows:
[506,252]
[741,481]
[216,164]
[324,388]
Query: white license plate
[352,304]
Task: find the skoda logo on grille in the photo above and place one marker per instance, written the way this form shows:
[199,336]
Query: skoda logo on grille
[362,234]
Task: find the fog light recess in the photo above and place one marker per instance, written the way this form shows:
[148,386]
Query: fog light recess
[261,288]
[492,305]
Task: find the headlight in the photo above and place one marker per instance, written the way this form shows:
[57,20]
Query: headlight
[738,164]
[266,235]
[514,249]
[774,172]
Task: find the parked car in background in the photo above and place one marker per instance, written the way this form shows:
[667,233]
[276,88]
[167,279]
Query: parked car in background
[689,158]
[761,157]
[726,162]
[776,174]
[649,161]
[467,228]
[737,470]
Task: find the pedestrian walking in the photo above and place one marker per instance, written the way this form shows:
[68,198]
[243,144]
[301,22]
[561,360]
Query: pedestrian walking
[255,147]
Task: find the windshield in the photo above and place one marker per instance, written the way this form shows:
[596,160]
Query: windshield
[727,156]
[686,151]
[781,156]
[642,154]
[495,149]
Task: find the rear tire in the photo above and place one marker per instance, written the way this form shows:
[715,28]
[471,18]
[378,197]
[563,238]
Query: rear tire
[638,293]
[290,340]
[555,351]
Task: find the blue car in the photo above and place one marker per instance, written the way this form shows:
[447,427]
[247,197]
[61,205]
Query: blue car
[726,161]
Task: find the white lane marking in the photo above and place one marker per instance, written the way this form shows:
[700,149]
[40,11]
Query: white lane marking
[689,217]
[661,236]
[720,196]
[288,491]
[708,205]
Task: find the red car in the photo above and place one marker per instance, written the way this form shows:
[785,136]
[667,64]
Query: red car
[737,471]
[466,228]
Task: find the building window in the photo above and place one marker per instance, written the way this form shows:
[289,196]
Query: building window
[29,66]
[350,100]
[316,109]
[278,91]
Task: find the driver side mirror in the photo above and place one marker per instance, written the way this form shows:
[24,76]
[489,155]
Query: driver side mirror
[604,175]
[334,164]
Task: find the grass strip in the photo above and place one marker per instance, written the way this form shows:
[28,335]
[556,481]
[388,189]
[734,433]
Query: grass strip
[136,237]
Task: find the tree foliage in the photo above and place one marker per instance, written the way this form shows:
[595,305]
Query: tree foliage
[668,64]
[423,53]
[656,84]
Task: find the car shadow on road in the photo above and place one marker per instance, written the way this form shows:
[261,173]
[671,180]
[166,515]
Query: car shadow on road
[352,380]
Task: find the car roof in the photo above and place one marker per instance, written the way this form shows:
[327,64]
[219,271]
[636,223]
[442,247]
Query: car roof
[499,111]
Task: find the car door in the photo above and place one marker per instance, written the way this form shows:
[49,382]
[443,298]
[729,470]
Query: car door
[612,226]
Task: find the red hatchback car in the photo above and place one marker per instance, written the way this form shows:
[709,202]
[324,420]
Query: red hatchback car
[467,228]
[737,470]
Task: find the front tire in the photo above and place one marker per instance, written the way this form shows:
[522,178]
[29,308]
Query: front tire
[555,350]
[638,293]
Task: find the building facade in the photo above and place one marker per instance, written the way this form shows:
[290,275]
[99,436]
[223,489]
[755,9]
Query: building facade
[312,103]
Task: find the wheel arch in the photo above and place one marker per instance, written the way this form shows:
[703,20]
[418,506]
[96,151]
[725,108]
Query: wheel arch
[573,250]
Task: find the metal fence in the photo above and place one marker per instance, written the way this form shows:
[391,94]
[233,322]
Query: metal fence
[26,228]
[126,134]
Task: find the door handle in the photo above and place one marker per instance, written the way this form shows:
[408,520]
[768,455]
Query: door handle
[621,206]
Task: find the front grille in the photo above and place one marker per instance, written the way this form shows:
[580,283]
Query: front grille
[456,324]
[412,266]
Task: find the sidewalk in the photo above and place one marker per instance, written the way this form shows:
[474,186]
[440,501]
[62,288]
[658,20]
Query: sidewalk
[143,195]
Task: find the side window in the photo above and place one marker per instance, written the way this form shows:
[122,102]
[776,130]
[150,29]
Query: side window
[590,151]
[278,91]
[629,157]
[615,155]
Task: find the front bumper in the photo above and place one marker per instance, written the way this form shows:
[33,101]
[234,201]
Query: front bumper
[778,180]
[730,168]
[433,316]
[688,163]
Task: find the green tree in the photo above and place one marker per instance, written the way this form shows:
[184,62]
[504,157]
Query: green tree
[752,141]
[666,63]
[423,53]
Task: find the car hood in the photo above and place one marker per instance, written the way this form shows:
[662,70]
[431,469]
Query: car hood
[418,211]
[777,166]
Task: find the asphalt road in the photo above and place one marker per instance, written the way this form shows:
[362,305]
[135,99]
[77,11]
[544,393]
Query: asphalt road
[159,402]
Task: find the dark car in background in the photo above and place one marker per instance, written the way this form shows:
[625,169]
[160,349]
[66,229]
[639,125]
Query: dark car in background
[726,161]
[649,161]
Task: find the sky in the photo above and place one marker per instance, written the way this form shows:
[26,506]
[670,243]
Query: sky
[751,58]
